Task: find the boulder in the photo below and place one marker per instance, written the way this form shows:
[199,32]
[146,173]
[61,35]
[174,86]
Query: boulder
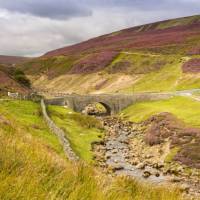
[185,187]
[116,167]
[175,179]
[148,156]
[107,156]
[140,166]
[157,174]
[134,162]
[180,169]
[158,165]
[146,174]
[114,151]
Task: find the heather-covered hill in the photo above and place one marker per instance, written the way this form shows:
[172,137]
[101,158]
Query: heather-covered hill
[162,56]
[181,32]
[10,60]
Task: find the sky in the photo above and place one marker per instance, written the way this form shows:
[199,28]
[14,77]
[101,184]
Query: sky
[34,27]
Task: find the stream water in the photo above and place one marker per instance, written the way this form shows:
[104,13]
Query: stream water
[117,154]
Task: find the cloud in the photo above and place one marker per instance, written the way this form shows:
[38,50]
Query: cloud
[65,9]
[22,35]
[33,27]
[146,4]
[55,9]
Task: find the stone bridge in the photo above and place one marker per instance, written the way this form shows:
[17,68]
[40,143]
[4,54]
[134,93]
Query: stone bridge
[113,103]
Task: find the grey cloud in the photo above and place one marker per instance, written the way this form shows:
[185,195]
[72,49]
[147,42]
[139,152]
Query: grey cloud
[65,9]
[150,5]
[55,9]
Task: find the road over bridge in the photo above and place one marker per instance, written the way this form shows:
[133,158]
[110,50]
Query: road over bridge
[113,103]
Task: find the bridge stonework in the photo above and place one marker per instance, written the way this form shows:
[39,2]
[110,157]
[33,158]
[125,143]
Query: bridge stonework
[114,103]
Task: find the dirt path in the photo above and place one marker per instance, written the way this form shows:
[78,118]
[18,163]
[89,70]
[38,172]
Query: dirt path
[195,98]
[142,54]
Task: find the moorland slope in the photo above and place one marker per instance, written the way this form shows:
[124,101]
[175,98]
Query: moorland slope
[161,56]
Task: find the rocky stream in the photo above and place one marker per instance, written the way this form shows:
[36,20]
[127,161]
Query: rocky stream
[124,152]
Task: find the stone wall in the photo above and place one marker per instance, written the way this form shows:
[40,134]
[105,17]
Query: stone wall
[29,97]
[59,133]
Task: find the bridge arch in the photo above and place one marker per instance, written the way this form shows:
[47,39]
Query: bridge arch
[107,107]
[97,108]
[66,103]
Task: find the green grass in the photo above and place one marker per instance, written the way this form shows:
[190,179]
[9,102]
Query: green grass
[81,130]
[140,62]
[167,77]
[170,156]
[32,166]
[162,80]
[189,81]
[184,108]
[28,115]
[178,22]
[53,66]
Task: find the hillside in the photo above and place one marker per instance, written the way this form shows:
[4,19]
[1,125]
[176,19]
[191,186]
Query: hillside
[9,80]
[13,80]
[161,56]
[10,60]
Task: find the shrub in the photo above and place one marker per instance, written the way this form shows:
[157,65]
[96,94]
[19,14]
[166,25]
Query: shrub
[23,80]
[86,121]
[18,72]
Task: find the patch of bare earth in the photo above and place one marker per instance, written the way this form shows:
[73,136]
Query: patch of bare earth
[83,84]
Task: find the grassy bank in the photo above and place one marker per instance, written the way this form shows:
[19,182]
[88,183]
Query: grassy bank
[81,130]
[33,166]
[26,116]
[184,108]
